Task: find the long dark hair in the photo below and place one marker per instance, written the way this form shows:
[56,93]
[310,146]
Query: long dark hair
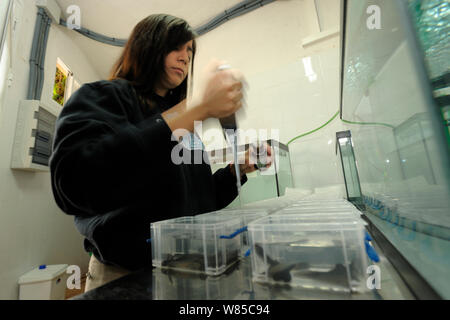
[142,60]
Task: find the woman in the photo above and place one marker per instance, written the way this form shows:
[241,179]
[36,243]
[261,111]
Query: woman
[111,166]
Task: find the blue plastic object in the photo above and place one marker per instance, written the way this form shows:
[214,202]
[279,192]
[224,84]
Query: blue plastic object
[371,253]
[42,267]
[234,234]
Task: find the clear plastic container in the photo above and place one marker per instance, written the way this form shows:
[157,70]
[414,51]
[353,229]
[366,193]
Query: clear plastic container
[329,211]
[272,204]
[311,253]
[323,201]
[246,215]
[338,215]
[323,205]
[271,207]
[206,245]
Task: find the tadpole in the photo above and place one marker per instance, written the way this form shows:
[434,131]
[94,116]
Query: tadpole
[278,271]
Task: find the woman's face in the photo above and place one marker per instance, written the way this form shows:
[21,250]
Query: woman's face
[176,66]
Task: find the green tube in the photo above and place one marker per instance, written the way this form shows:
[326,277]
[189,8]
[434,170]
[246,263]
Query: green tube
[315,130]
[369,123]
[345,121]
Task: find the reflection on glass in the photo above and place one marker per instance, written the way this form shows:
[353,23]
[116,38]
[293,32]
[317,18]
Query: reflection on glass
[432,21]
[413,138]
[309,72]
[170,284]
[398,129]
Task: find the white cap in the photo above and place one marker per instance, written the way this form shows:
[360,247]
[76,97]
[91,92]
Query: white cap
[48,273]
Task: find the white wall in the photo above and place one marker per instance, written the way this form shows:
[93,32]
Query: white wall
[266,45]
[33,230]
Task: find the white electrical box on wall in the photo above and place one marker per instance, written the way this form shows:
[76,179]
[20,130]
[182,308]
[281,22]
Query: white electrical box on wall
[34,136]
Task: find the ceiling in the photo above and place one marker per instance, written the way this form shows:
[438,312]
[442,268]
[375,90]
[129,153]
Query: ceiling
[117,18]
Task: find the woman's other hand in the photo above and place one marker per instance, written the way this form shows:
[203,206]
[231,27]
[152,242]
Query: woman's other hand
[252,155]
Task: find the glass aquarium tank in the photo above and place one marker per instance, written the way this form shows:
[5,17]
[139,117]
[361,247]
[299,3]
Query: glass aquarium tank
[261,185]
[348,163]
[395,101]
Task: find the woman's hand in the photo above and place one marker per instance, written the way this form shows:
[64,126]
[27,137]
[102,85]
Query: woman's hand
[251,159]
[222,95]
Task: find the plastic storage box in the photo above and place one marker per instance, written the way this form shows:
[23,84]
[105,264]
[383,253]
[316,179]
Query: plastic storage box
[323,209]
[320,254]
[206,245]
[47,283]
[325,204]
[246,215]
[321,216]
[271,207]
[329,211]
[321,206]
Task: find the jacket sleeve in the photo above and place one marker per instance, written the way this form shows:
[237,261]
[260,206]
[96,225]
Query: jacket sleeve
[100,160]
[226,186]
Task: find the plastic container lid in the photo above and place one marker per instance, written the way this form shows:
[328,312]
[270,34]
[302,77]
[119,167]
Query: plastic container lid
[48,273]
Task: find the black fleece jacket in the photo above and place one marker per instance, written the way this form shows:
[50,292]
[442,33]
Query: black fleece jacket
[111,168]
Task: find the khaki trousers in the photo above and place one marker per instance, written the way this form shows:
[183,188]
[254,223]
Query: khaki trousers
[100,274]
